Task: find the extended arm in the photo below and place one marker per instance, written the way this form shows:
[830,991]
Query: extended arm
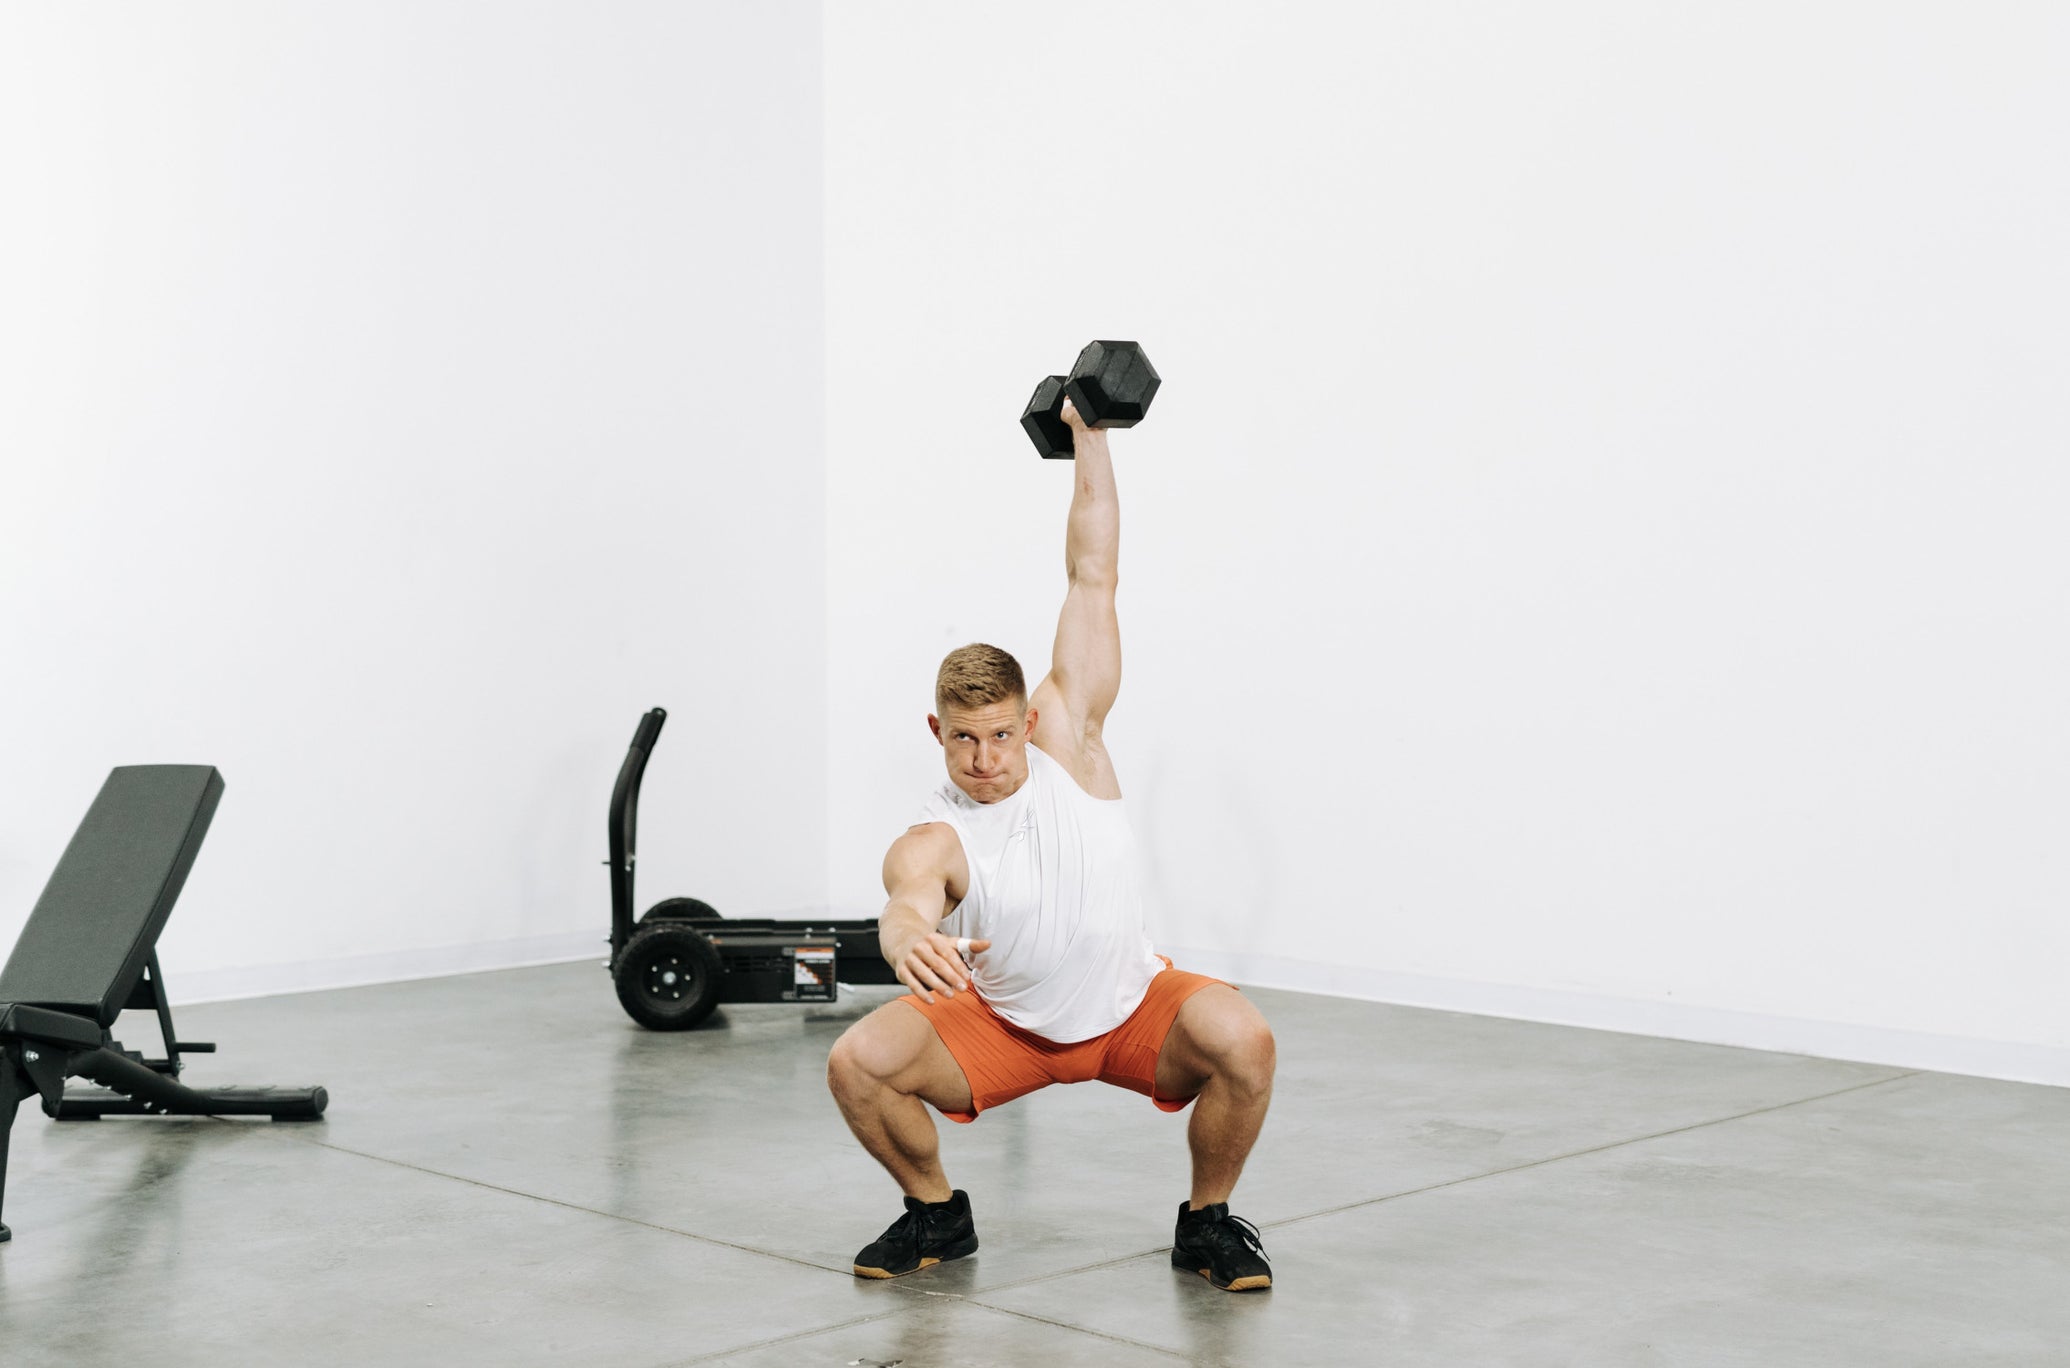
[1085,663]
[916,876]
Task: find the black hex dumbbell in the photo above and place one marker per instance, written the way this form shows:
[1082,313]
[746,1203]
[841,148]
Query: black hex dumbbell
[1111,386]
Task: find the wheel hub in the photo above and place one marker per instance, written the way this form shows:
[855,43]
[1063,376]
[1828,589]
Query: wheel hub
[666,978]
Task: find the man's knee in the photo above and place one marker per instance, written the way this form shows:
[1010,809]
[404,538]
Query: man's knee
[1251,1058]
[857,1063]
[845,1070]
[1237,1044]
[874,1052]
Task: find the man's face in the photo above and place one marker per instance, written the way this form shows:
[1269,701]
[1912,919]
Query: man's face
[986,748]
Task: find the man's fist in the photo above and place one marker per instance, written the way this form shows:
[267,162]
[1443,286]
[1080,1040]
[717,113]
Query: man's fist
[934,963]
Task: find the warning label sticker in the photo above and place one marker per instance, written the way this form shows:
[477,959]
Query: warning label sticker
[812,973]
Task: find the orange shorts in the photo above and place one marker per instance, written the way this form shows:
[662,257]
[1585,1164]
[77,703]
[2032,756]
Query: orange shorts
[1002,1061]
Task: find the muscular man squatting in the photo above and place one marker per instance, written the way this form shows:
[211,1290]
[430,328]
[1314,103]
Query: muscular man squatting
[1029,848]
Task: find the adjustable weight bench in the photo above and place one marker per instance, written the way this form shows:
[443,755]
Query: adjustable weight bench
[89,952]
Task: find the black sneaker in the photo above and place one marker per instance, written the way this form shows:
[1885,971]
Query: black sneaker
[1222,1248]
[929,1233]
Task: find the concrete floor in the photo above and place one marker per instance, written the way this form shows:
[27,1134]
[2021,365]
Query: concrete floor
[512,1173]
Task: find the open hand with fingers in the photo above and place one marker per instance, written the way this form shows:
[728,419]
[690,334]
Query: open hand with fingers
[934,963]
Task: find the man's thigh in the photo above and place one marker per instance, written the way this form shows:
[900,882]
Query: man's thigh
[997,1062]
[1212,1025]
[899,1046]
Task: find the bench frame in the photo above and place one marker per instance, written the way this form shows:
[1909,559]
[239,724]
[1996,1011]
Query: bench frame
[53,1031]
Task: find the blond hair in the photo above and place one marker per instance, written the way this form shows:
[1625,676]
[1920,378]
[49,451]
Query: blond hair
[977,676]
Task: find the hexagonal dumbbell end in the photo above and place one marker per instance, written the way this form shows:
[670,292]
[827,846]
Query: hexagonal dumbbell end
[1112,384]
[1043,421]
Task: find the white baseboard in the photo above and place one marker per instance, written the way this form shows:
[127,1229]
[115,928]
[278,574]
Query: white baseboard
[357,971]
[2012,1061]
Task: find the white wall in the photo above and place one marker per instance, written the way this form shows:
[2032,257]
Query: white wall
[1598,554]
[396,399]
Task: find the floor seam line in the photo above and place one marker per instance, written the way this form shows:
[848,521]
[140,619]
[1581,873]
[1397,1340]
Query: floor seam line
[785,1339]
[576,1206]
[973,1300]
[943,1296]
[1030,1281]
[1593,1149]
[1469,1178]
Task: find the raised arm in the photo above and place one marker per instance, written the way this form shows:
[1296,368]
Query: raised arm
[1073,700]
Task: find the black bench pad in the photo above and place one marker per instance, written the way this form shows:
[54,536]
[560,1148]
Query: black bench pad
[56,1028]
[92,931]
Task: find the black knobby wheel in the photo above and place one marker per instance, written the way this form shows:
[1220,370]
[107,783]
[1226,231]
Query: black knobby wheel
[680,910]
[668,977]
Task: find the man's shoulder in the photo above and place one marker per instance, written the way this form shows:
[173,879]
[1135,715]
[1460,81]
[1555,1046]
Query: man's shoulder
[923,840]
[1089,770]
[924,852]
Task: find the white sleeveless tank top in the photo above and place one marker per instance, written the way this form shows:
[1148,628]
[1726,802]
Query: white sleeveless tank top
[1053,887]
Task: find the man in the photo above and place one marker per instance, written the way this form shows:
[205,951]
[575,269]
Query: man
[1029,847]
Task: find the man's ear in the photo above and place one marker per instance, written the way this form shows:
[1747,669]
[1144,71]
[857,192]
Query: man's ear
[934,724]
[1030,729]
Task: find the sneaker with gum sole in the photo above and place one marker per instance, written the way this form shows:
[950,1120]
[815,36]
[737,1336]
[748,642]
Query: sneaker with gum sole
[1224,1249]
[929,1233]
